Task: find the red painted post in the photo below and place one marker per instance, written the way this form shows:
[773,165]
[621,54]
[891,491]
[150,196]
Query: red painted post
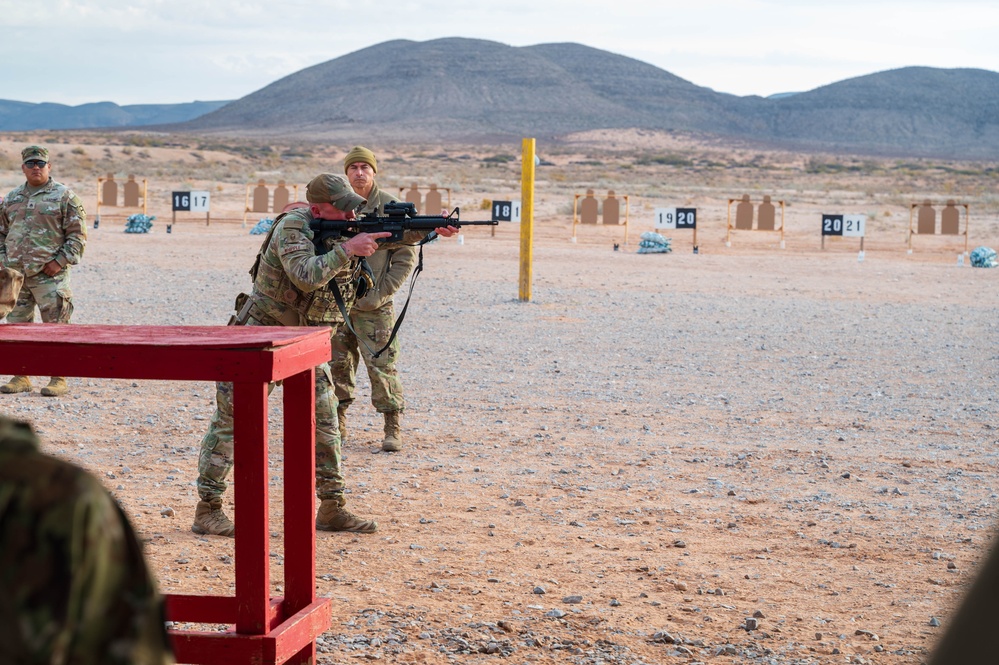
[300,500]
[251,493]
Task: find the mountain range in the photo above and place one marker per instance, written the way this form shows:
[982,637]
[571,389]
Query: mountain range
[25,116]
[459,89]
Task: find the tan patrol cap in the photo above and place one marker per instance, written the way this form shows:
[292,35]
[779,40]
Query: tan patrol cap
[333,188]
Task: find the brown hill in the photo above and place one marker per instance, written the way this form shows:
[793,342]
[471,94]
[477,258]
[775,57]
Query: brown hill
[915,110]
[467,89]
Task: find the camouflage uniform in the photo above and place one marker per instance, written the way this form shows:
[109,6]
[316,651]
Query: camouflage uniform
[373,316]
[76,589]
[292,286]
[38,225]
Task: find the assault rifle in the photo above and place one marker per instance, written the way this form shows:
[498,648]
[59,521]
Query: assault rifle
[399,217]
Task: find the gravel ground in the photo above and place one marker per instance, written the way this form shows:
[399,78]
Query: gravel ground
[739,456]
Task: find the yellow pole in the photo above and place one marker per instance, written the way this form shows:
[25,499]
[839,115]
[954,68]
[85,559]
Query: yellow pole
[966,214]
[526,218]
[728,225]
[575,202]
[627,208]
[98,213]
[912,206]
[781,224]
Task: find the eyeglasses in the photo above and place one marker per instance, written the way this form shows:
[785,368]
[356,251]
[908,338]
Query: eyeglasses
[32,163]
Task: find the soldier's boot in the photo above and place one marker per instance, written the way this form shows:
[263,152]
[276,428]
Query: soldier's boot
[393,432]
[17,384]
[57,386]
[341,417]
[210,520]
[333,516]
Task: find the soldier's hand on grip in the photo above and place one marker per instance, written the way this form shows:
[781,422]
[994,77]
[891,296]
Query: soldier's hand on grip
[364,244]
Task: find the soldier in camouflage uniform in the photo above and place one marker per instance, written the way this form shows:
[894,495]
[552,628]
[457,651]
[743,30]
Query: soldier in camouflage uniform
[373,316]
[76,589]
[293,285]
[42,232]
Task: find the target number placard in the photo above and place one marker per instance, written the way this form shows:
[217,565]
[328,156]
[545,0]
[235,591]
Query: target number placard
[194,201]
[506,211]
[676,218]
[844,225]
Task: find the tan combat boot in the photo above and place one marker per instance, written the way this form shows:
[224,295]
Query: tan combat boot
[57,386]
[18,384]
[210,520]
[341,417]
[334,517]
[393,434]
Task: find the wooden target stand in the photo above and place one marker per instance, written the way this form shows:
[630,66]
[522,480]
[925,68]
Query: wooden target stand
[258,198]
[586,212]
[107,195]
[925,221]
[765,218]
[264,630]
[430,204]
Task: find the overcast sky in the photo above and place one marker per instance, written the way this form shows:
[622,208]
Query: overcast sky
[170,51]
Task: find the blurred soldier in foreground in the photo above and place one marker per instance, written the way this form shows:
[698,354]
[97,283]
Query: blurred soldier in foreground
[75,587]
[970,636]
[296,284]
[42,232]
[373,315]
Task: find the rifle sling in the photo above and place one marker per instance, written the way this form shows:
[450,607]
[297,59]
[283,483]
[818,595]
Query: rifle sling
[338,297]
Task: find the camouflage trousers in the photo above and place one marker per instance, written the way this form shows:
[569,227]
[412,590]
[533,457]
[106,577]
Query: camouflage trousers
[375,327]
[51,295]
[216,458]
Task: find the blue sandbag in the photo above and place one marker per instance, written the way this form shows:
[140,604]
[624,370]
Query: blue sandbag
[262,227]
[654,243]
[139,223]
[983,257]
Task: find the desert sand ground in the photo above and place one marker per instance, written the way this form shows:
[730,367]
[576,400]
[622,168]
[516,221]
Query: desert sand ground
[653,454]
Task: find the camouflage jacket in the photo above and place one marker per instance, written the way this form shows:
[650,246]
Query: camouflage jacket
[390,266]
[293,285]
[75,586]
[41,224]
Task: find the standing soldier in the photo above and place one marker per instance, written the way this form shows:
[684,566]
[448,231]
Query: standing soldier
[42,232]
[296,284]
[373,316]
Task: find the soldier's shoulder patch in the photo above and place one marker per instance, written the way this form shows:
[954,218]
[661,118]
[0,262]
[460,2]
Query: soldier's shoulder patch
[291,247]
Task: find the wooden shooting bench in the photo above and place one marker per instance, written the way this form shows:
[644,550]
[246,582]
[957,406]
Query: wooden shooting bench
[263,629]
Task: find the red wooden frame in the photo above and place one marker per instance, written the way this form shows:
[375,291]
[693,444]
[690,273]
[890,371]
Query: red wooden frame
[267,629]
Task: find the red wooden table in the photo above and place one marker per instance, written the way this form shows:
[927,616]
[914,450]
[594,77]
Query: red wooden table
[267,629]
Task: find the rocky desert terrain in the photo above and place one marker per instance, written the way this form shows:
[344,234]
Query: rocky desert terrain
[751,454]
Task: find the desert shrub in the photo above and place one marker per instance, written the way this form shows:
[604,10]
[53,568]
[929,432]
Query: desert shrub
[671,159]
